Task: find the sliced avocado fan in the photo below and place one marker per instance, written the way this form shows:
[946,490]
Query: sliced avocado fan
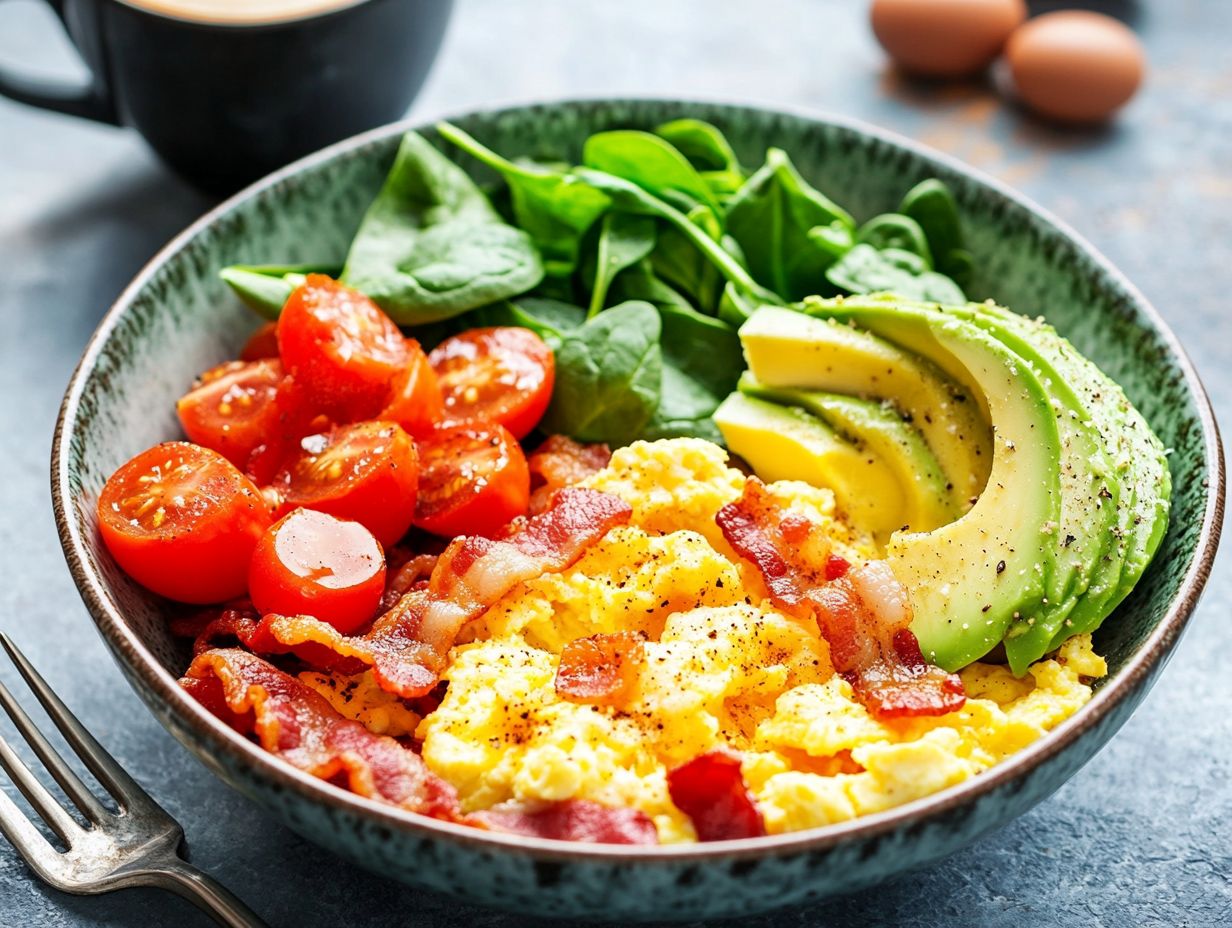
[1138,457]
[929,500]
[787,349]
[1113,479]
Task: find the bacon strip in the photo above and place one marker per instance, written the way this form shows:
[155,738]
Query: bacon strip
[710,790]
[411,570]
[574,820]
[296,723]
[407,647]
[239,622]
[562,462]
[601,669]
[862,613]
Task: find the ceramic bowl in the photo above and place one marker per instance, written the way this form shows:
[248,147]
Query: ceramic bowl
[177,318]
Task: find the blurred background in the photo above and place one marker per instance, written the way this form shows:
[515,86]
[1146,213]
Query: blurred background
[1139,837]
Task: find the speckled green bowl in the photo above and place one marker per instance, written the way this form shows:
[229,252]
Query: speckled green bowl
[177,318]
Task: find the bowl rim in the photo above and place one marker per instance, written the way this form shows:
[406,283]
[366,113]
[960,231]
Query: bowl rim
[129,649]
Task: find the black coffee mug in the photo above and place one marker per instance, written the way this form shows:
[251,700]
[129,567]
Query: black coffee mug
[226,102]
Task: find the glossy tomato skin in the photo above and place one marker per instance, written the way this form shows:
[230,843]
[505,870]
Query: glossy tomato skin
[263,343]
[367,472]
[502,374]
[311,563]
[415,400]
[231,408]
[473,481]
[182,521]
[340,347]
[295,417]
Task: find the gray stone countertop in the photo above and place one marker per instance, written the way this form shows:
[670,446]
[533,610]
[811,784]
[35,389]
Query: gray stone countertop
[1142,836]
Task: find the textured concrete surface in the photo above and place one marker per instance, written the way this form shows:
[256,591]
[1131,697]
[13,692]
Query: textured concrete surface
[1142,836]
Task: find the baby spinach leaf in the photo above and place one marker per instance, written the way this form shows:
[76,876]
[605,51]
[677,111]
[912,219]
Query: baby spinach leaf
[640,282]
[677,261]
[892,230]
[864,269]
[931,204]
[702,361]
[265,287]
[547,318]
[771,217]
[431,245]
[609,373]
[709,152]
[651,163]
[547,202]
[544,315]
[735,306]
[624,240]
[631,198]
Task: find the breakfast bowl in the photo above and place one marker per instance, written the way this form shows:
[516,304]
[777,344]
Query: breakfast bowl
[178,318]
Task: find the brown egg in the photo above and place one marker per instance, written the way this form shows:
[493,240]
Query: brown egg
[945,38]
[1075,66]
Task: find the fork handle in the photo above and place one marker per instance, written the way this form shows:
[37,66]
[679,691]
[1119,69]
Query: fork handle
[205,892]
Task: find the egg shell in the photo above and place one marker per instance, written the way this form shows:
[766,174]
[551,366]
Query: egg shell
[1074,65]
[945,38]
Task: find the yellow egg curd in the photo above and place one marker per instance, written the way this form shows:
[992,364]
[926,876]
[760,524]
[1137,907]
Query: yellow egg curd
[722,668]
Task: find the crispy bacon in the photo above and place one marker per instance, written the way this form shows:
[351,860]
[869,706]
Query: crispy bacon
[908,686]
[234,621]
[407,646]
[411,570]
[238,622]
[863,613]
[296,723]
[601,669]
[710,790]
[836,567]
[574,820]
[562,462]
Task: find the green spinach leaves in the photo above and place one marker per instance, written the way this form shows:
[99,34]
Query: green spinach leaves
[609,374]
[637,266]
[431,246]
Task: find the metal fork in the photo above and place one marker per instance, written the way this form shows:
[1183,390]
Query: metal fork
[137,845]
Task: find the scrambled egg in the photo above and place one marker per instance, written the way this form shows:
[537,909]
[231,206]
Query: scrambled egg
[722,667]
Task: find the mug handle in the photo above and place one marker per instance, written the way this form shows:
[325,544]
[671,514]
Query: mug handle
[91,100]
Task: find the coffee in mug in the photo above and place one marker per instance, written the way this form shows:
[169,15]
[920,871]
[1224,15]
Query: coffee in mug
[240,11]
[228,90]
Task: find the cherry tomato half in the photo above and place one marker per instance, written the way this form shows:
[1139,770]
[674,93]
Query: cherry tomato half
[502,375]
[415,401]
[340,347]
[263,343]
[231,408]
[293,418]
[182,521]
[472,481]
[310,563]
[367,472]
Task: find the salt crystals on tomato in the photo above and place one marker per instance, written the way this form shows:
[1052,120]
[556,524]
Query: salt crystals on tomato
[341,347]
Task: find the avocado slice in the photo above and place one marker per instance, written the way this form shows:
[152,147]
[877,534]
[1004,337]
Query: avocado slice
[1082,577]
[785,443]
[969,581]
[1138,457]
[785,348]
[1090,554]
[930,502]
